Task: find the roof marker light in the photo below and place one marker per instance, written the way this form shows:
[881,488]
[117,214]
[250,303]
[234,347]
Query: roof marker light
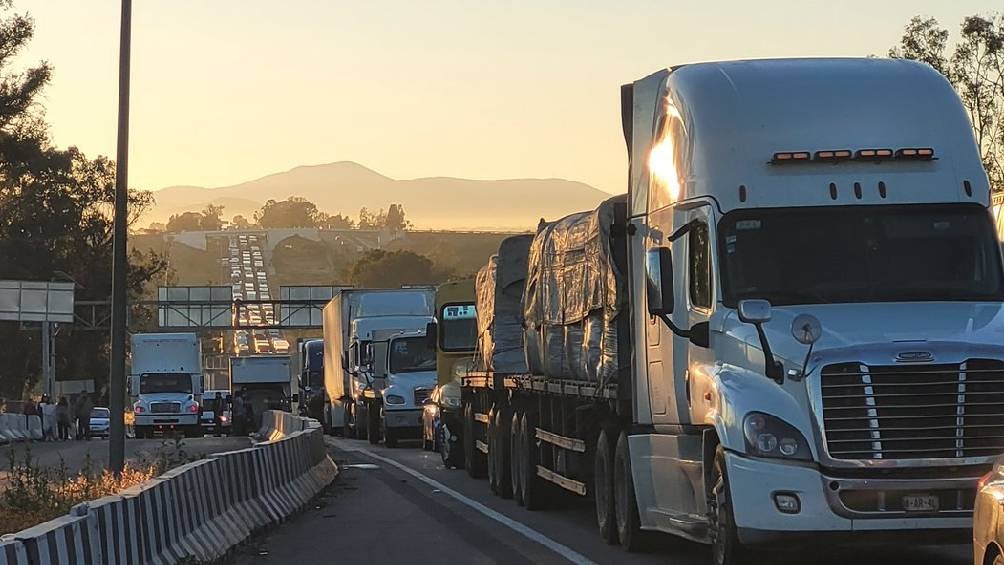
[833,155]
[923,153]
[784,156]
[874,154]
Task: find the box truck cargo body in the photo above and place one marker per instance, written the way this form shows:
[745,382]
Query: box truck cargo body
[165,378]
[790,325]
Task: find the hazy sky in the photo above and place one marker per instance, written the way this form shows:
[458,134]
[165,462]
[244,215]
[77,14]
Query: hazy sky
[229,90]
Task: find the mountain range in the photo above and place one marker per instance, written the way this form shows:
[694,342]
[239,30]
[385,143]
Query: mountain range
[430,203]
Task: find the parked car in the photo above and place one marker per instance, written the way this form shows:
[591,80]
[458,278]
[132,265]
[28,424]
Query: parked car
[100,422]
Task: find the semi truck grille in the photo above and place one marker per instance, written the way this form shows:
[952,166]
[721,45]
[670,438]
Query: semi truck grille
[420,395]
[914,411]
[165,407]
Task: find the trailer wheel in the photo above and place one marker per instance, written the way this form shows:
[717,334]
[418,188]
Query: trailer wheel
[473,460]
[347,422]
[492,441]
[533,486]
[389,434]
[603,486]
[498,447]
[725,546]
[372,425]
[625,505]
[516,456]
[449,451]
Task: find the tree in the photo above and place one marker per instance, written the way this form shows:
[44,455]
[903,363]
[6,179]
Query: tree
[975,68]
[395,220]
[336,222]
[391,269]
[294,212]
[187,221]
[212,217]
[55,215]
[240,222]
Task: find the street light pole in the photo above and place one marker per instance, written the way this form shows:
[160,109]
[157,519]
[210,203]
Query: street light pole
[116,388]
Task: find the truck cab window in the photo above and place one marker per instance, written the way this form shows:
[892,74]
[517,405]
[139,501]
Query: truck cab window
[700,266]
[458,327]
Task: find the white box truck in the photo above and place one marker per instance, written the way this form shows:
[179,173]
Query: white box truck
[789,329]
[353,376]
[165,378]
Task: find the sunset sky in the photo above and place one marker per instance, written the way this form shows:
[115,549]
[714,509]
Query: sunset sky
[229,90]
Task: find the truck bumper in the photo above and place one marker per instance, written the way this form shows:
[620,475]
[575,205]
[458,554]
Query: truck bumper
[166,420]
[823,513]
[403,418]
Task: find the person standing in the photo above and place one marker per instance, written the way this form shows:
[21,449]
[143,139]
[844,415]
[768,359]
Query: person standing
[63,418]
[30,409]
[84,417]
[239,413]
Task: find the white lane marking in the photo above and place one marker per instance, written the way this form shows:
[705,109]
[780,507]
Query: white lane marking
[518,527]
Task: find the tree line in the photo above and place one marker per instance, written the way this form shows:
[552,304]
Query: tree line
[55,219]
[975,67]
[294,212]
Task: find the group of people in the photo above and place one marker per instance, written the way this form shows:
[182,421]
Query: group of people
[58,418]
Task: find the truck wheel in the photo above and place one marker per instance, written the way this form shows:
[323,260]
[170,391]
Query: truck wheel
[361,422]
[603,487]
[474,461]
[493,469]
[515,457]
[389,434]
[725,546]
[625,505]
[347,423]
[533,486]
[449,450]
[502,453]
[372,425]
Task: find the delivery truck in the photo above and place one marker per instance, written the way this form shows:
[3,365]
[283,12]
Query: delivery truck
[264,383]
[788,329]
[354,357]
[165,379]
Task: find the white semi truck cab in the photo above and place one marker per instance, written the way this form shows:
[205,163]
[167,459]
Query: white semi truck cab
[166,381]
[817,295]
[790,327]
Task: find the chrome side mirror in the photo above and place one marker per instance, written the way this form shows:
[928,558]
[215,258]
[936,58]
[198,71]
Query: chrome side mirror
[754,311]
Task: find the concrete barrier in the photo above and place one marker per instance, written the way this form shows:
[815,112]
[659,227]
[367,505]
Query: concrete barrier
[197,511]
[34,427]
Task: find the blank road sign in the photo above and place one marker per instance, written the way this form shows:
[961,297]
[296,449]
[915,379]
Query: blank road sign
[32,301]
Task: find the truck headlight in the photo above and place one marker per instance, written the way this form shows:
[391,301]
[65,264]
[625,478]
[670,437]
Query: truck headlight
[393,399]
[768,436]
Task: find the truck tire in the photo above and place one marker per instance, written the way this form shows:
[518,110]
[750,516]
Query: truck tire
[474,461]
[389,434]
[515,457]
[450,451]
[725,546]
[502,452]
[603,486]
[625,505]
[534,488]
[493,469]
[372,425]
[347,431]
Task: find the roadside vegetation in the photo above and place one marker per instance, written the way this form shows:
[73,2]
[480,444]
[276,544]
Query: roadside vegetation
[31,494]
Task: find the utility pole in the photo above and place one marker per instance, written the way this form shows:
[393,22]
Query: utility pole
[47,357]
[116,389]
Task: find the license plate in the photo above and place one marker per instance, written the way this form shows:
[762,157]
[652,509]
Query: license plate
[920,503]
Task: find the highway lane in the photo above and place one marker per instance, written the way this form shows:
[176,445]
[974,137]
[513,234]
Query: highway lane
[401,505]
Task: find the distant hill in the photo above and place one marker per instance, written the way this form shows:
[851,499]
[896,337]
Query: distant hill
[430,203]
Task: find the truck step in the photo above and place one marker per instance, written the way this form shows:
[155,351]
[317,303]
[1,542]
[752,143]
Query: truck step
[479,417]
[578,487]
[569,443]
[481,446]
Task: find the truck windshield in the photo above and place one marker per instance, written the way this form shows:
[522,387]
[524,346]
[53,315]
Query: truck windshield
[896,253]
[411,354]
[458,327]
[153,383]
[315,367]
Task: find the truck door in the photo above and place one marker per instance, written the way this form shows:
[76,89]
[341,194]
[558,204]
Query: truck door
[692,364]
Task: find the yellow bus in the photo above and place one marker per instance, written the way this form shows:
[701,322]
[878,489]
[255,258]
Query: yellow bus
[456,340]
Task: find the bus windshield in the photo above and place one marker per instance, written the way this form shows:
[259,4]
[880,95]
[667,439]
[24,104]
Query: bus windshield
[889,253]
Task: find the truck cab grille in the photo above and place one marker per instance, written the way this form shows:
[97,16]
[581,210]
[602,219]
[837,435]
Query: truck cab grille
[165,407]
[420,395]
[914,411]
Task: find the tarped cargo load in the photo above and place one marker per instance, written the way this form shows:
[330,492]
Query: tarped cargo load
[500,308]
[573,296]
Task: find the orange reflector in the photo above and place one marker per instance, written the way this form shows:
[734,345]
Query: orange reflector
[915,153]
[833,154]
[791,156]
[874,153]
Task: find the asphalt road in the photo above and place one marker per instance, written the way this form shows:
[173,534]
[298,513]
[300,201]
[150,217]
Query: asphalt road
[401,506]
[74,453]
